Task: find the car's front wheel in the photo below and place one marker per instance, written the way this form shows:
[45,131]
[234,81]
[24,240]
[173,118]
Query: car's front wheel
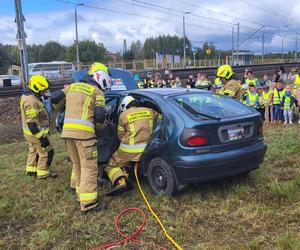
[160,177]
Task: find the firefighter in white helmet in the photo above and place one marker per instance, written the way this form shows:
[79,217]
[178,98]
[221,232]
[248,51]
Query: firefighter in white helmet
[84,108]
[135,128]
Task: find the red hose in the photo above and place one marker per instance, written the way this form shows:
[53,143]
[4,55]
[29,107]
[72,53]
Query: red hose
[131,237]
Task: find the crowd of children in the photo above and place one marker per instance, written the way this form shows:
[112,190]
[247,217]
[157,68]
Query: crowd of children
[276,99]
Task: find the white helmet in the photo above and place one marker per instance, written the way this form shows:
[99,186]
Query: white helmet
[127,99]
[101,75]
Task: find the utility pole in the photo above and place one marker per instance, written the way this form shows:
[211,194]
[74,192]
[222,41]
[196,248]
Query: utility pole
[232,51]
[76,32]
[21,40]
[237,43]
[184,45]
[296,49]
[263,46]
[282,48]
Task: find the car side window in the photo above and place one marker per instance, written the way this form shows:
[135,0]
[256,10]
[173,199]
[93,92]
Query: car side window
[112,103]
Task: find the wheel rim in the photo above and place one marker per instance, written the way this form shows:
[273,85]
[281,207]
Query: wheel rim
[159,178]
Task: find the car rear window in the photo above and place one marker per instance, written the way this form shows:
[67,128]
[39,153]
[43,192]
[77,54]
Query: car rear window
[212,106]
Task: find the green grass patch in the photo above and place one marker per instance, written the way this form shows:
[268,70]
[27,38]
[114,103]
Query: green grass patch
[258,211]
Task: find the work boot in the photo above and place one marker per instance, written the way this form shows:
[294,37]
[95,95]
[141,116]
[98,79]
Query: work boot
[121,185]
[101,206]
[51,175]
[32,174]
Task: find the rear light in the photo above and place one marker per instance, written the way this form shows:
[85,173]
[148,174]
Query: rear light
[197,141]
[192,137]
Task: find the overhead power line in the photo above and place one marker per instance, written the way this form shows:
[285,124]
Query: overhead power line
[136,14]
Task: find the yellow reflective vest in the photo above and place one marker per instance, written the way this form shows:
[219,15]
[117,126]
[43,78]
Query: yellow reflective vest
[33,110]
[252,100]
[266,98]
[81,100]
[277,96]
[253,81]
[297,81]
[135,128]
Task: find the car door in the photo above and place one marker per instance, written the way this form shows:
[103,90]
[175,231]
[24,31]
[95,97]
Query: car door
[107,141]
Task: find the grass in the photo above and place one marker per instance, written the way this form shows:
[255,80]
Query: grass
[258,211]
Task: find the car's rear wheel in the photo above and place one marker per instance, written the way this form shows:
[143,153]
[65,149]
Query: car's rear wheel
[161,178]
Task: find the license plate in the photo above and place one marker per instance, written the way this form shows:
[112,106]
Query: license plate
[235,133]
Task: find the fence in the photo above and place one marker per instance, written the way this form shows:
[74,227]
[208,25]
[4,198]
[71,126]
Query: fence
[62,71]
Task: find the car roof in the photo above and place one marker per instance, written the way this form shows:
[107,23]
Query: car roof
[162,92]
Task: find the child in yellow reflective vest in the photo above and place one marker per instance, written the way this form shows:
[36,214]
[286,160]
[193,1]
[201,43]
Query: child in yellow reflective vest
[267,99]
[288,101]
[277,102]
[251,97]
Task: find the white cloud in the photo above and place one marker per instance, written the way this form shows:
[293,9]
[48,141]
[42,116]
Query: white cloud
[111,28]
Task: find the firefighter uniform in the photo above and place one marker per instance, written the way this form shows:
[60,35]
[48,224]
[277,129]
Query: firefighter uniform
[80,138]
[232,89]
[35,122]
[134,131]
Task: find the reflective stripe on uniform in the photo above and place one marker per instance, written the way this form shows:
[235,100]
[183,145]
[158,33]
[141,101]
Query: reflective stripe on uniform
[88,196]
[120,128]
[82,87]
[73,176]
[31,169]
[100,99]
[79,124]
[140,115]
[85,108]
[137,148]
[132,133]
[42,173]
[44,131]
[112,172]
[229,92]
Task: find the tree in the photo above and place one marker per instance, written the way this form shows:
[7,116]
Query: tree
[34,53]
[136,49]
[52,51]
[89,52]
[5,60]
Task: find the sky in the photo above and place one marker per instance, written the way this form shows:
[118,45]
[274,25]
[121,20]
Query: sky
[110,22]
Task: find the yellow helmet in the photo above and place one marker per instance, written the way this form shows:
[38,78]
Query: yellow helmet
[101,75]
[225,71]
[38,83]
[97,66]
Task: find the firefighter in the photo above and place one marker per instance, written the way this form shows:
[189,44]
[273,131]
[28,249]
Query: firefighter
[84,109]
[231,87]
[135,127]
[35,121]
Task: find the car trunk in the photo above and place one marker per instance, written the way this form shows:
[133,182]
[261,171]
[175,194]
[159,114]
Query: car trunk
[231,134]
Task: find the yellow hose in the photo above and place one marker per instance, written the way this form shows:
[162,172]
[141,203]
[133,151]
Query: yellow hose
[153,213]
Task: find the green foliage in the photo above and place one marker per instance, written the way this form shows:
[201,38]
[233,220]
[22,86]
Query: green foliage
[89,51]
[166,44]
[5,60]
[52,51]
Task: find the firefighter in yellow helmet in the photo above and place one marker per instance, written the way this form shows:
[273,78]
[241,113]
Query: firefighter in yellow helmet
[35,122]
[84,108]
[135,128]
[230,87]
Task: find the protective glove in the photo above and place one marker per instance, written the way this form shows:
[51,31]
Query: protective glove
[44,142]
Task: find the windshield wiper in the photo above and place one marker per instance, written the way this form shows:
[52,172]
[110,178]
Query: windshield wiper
[192,110]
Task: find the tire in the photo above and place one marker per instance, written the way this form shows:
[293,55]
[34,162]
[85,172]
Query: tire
[161,178]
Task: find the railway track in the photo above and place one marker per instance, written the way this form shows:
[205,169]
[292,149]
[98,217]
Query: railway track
[17,90]
[258,70]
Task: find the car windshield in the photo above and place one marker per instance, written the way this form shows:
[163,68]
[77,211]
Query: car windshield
[212,106]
